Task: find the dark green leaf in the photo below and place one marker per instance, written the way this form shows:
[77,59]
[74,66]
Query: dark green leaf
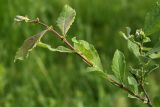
[28,45]
[152,20]
[119,65]
[88,51]
[58,49]
[66,19]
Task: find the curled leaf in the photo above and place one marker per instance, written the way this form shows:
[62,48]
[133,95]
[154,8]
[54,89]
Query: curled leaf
[58,49]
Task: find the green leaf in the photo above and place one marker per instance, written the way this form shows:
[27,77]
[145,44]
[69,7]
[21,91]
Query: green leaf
[119,65]
[155,55]
[58,49]
[28,45]
[152,20]
[97,73]
[88,51]
[132,44]
[66,19]
[146,40]
[134,48]
[134,85]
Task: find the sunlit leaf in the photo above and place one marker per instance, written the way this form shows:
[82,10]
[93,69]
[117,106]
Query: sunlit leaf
[88,51]
[66,19]
[119,65]
[58,49]
[152,20]
[146,40]
[28,45]
[155,55]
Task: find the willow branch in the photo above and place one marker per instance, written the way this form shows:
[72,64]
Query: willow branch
[120,85]
[63,39]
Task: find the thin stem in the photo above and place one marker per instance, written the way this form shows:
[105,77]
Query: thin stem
[140,82]
[120,85]
[125,88]
[149,103]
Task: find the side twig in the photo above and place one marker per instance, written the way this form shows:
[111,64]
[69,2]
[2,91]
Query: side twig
[141,84]
[149,103]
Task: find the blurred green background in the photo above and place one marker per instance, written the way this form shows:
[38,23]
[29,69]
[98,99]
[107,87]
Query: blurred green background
[49,79]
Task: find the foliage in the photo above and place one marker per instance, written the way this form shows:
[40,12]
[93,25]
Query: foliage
[41,80]
[136,44]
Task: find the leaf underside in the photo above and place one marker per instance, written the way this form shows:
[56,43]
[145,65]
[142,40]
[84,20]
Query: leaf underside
[28,45]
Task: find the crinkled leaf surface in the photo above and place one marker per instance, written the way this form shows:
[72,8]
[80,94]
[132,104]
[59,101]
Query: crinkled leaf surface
[66,19]
[88,51]
[119,65]
[28,45]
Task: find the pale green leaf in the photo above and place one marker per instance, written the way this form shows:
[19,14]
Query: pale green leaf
[155,55]
[28,45]
[66,19]
[88,51]
[119,65]
[146,40]
[134,48]
[58,49]
[152,20]
[133,85]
